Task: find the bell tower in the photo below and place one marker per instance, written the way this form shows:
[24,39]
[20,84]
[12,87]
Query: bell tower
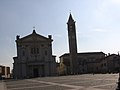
[72,45]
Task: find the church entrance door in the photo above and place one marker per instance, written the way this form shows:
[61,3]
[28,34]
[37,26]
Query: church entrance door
[36,72]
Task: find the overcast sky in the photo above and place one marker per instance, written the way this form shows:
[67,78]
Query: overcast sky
[97,24]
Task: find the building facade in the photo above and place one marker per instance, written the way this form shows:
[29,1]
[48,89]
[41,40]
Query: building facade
[91,62]
[110,64]
[87,62]
[34,57]
[4,72]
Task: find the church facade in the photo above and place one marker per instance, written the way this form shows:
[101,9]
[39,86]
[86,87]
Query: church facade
[34,57]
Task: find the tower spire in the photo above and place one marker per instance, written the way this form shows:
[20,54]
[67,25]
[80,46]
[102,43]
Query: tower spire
[70,18]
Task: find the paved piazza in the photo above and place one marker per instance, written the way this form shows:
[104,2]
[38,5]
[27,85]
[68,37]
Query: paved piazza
[75,82]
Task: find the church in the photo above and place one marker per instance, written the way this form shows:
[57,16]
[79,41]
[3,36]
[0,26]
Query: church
[34,57]
[74,62]
[85,62]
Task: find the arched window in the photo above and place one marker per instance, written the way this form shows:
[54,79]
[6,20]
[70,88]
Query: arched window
[34,50]
[37,50]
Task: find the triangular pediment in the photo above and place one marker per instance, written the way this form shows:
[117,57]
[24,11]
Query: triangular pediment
[34,37]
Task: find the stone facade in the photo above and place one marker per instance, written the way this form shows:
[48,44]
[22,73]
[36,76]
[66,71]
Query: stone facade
[87,62]
[34,57]
[92,62]
[110,64]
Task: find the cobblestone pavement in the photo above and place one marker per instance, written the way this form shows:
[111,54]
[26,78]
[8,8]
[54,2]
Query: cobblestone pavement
[76,82]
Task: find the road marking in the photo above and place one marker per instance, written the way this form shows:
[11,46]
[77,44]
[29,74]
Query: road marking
[73,87]
[65,85]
